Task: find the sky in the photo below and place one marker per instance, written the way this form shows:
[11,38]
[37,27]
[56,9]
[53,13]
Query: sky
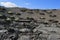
[33,4]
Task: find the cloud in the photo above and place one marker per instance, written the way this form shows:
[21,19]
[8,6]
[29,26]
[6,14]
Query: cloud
[8,4]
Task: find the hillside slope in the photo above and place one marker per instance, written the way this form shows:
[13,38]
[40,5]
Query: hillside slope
[29,24]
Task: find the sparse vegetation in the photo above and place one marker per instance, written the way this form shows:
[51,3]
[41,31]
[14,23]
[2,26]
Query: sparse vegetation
[42,13]
[18,14]
[53,16]
[23,10]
